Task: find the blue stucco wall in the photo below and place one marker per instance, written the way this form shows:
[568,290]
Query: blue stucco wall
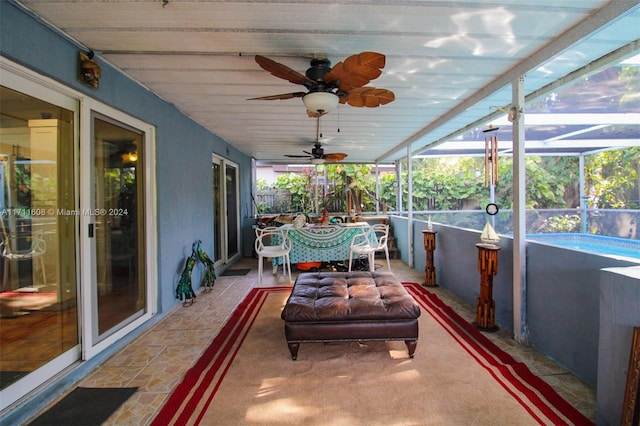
[619,315]
[563,289]
[563,305]
[456,262]
[183,147]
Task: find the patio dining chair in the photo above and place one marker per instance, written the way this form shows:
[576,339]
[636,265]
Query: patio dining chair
[361,245]
[272,243]
[382,236]
[368,242]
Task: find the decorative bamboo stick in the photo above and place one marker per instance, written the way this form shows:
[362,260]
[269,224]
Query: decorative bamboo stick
[490,156]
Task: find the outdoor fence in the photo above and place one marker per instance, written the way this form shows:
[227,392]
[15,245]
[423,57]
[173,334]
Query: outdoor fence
[277,200]
[622,223]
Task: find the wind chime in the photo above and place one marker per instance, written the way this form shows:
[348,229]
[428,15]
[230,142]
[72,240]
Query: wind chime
[490,156]
[488,248]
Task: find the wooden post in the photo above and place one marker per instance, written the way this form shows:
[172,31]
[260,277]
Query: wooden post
[486,306]
[430,268]
[631,405]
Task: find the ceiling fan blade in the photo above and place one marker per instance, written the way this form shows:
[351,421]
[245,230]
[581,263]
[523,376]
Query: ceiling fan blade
[369,97]
[371,59]
[334,156]
[366,64]
[279,97]
[357,70]
[282,71]
[298,156]
[347,80]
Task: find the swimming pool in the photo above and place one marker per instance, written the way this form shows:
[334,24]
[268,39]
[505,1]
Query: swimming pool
[608,246]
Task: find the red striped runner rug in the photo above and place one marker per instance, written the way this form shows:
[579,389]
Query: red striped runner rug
[536,396]
[458,376]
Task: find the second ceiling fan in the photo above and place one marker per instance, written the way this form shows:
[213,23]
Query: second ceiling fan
[345,82]
[317,154]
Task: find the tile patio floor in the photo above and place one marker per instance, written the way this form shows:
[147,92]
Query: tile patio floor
[156,361]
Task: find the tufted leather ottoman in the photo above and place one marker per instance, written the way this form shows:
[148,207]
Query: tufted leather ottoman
[349,306]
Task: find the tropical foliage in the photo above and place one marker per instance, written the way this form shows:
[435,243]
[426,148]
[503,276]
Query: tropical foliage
[612,181]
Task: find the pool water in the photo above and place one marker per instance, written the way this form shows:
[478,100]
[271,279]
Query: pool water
[598,244]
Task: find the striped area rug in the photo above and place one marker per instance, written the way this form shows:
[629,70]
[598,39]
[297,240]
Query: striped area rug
[458,376]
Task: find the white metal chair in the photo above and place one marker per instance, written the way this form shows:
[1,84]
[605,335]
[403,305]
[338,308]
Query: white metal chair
[272,243]
[362,245]
[34,252]
[382,236]
[370,241]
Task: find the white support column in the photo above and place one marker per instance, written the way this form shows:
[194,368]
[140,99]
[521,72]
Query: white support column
[316,201]
[410,261]
[399,187]
[583,195]
[378,189]
[254,188]
[520,329]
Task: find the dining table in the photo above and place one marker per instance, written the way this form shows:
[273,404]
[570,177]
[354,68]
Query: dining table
[322,243]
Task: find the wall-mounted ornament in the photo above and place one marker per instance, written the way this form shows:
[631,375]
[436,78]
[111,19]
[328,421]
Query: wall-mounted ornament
[88,69]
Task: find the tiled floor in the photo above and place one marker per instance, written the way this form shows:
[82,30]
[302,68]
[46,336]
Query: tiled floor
[157,360]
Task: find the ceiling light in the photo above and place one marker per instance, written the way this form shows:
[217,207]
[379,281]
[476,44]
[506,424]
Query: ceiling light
[320,102]
[129,157]
[317,161]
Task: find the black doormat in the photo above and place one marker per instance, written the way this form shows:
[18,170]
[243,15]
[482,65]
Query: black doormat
[84,407]
[8,377]
[235,272]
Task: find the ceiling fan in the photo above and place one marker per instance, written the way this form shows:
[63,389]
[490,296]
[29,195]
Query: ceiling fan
[317,154]
[344,82]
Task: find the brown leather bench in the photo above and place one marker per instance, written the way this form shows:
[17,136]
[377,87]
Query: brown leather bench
[349,306]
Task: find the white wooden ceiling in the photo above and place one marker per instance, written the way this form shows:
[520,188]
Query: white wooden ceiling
[449,63]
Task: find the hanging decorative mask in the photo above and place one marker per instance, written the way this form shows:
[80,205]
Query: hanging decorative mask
[89,70]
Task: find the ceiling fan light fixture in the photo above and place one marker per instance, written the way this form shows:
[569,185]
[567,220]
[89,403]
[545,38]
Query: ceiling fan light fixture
[317,161]
[320,102]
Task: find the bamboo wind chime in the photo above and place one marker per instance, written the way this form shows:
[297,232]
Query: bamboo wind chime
[490,156]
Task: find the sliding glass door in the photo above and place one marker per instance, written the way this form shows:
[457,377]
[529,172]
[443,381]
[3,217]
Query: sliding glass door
[77,229]
[119,287]
[39,332]
[115,226]
[226,221]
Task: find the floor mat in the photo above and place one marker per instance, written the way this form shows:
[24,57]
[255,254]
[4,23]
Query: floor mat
[85,406]
[235,272]
[8,377]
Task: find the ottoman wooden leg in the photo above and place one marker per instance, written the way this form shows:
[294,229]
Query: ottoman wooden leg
[411,346]
[293,348]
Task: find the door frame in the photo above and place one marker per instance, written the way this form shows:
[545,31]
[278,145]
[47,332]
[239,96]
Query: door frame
[225,258]
[88,274]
